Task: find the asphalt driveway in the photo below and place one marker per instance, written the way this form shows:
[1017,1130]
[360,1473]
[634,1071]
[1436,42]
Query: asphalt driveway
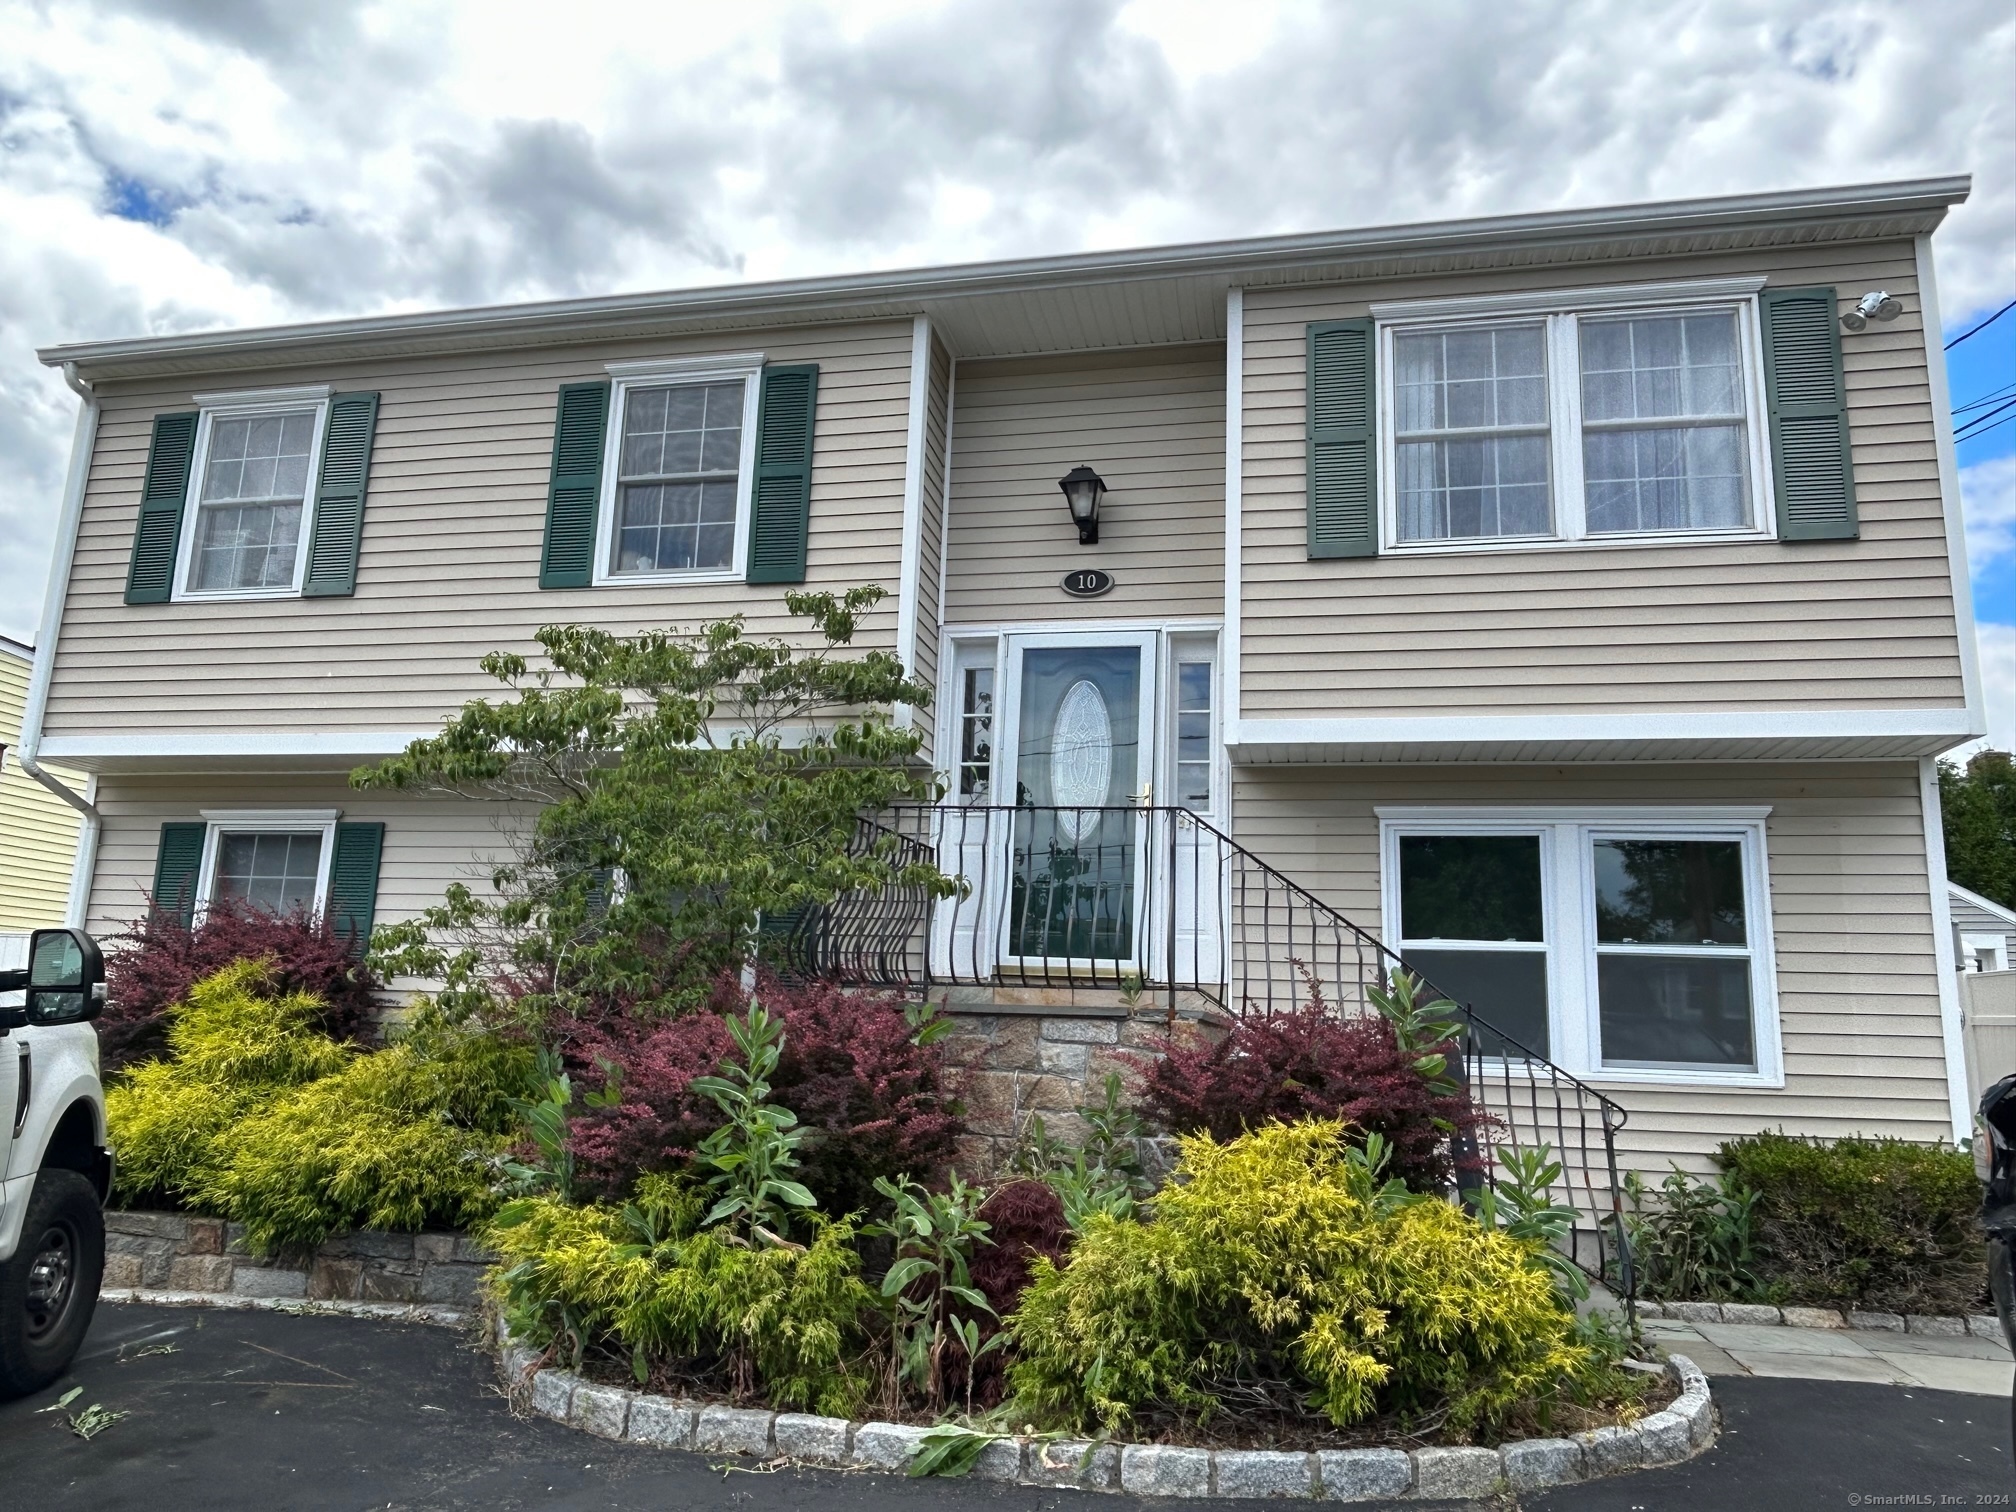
[265,1410]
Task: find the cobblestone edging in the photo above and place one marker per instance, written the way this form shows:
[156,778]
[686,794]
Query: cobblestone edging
[1345,1475]
[383,1312]
[1975,1326]
[186,1253]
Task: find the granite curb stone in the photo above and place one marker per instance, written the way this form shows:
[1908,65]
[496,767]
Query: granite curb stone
[733,1430]
[816,1440]
[1339,1475]
[1163,1470]
[1452,1474]
[1264,1472]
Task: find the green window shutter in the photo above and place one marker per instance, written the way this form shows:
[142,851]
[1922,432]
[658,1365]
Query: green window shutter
[339,496]
[1811,469]
[353,882]
[782,512]
[150,578]
[580,427]
[176,863]
[1343,505]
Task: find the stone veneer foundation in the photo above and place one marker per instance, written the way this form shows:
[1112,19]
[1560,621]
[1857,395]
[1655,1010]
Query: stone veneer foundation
[186,1252]
[1045,1052]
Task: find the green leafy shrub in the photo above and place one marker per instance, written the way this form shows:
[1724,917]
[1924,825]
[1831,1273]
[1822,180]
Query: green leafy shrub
[782,1322]
[258,1117]
[1692,1242]
[1278,1263]
[1877,1224]
[234,1045]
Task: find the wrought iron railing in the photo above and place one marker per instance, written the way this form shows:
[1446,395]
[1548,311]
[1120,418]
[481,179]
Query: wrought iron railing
[1161,905]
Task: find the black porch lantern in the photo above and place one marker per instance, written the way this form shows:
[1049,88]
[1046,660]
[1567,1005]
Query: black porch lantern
[1082,488]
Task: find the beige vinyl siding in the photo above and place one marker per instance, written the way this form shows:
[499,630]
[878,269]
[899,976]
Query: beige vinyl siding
[931,528]
[1151,423]
[1720,627]
[38,830]
[431,840]
[453,526]
[1858,995]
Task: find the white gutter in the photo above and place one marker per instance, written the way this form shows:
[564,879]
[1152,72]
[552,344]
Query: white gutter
[81,442]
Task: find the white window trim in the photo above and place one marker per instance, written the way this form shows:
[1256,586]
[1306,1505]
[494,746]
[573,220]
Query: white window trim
[658,373]
[266,822]
[1568,914]
[239,405]
[1559,311]
[1178,647]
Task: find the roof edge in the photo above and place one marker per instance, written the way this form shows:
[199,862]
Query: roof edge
[1929,196]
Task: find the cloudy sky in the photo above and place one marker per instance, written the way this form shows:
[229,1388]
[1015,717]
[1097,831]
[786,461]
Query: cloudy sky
[173,165]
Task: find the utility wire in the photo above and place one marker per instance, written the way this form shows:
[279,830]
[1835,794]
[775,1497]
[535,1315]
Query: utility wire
[1986,422]
[1961,409]
[1983,326]
[1996,425]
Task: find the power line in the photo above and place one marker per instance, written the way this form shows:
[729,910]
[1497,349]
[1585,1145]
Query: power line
[1983,430]
[1983,326]
[1961,409]
[1986,422]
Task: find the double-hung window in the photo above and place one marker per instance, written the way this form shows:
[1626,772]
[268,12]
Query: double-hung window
[1630,945]
[1627,414]
[675,503]
[274,860]
[251,496]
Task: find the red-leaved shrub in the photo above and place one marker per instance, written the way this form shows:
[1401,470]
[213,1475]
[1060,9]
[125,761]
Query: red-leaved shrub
[1310,1063]
[157,959]
[1025,1219]
[876,1102]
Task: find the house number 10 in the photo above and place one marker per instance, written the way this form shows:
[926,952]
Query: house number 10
[1087,582]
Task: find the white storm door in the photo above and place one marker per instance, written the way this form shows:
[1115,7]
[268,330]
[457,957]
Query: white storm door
[1076,758]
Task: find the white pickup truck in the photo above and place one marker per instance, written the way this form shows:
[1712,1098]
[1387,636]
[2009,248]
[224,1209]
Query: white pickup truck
[55,1164]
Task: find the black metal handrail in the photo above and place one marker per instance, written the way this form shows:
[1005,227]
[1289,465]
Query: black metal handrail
[1158,903]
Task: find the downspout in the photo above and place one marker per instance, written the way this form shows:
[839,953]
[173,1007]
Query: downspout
[60,559]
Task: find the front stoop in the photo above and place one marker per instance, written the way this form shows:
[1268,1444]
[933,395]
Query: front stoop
[1677,1433]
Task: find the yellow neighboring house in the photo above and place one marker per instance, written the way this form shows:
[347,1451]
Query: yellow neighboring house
[38,830]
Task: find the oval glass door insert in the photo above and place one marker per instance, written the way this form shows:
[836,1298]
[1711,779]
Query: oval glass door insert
[1081,756]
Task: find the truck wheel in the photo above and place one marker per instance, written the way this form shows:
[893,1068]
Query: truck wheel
[49,1290]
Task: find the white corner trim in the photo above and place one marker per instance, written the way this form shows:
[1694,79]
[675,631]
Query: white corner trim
[945,503]
[278,819]
[301,393]
[1601,814]
[1235,469]
[1544,301]
[1943,964]
[909,569]
[1766,724]
[727,364]
[1949,487]
[83,439]
[1987,905]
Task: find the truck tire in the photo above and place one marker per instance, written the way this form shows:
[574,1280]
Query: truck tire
[49,1290]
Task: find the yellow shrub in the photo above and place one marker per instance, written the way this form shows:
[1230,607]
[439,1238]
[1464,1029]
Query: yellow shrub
[1274,1257]
[233,1048]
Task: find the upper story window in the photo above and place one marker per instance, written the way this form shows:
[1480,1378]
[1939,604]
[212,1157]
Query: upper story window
[251,495]
[676,503]
[1542,419]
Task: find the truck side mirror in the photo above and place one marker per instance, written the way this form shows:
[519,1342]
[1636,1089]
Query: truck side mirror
[66,977]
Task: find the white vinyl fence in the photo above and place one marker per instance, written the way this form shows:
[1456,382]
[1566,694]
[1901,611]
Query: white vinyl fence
[1988,1017]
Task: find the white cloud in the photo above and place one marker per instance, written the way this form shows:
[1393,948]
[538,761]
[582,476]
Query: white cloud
[1988,499]
[1998,689]
[175,164]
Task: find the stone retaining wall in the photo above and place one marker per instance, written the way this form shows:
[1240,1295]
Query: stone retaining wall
[1046,1052]
[186,1252]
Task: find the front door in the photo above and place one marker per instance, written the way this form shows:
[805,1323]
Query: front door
[1077,758]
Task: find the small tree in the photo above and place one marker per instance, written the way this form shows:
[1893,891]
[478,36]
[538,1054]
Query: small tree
[1978,805]
[686,785]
